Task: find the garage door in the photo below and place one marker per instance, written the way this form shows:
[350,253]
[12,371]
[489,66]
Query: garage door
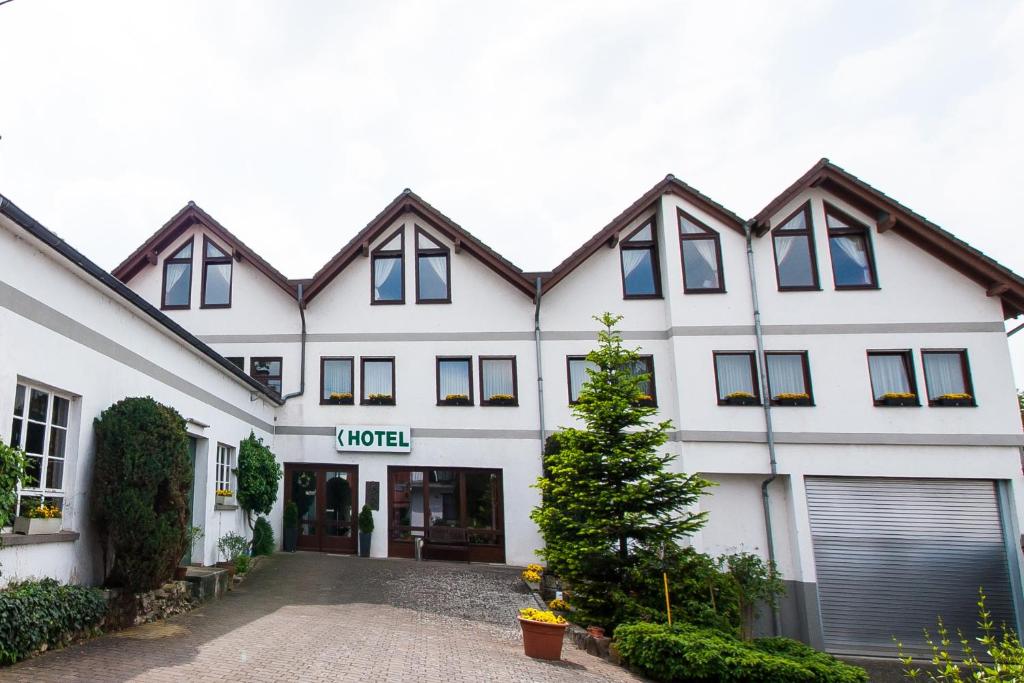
[893,554]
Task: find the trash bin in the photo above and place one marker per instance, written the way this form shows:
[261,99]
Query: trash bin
[417,545]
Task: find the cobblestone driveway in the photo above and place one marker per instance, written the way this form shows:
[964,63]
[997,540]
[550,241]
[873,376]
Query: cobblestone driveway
[312,617]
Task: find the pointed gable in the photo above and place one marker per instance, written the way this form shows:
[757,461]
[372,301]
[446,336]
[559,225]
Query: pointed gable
[223,244]
[890,215]
[409,202]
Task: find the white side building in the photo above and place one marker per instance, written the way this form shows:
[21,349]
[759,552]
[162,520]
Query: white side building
[880,437]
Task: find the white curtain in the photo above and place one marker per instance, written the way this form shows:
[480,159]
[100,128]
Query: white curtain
[218,283]
[578,376]
[453,378]
[337,377]
[382,268]
[177,273]
[733,374]
[497,378]
[786,374]
[639,367]
[705,249]
[944,374]
[783,245]
[377,378]
[631,259]
[888,375]
[856,249]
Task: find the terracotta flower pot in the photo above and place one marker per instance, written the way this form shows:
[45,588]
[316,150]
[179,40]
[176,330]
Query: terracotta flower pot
[596,631]
[542,640]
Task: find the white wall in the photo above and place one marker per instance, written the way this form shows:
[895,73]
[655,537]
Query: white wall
[58,327]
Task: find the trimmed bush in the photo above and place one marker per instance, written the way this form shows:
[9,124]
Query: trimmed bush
[38,613]
[258,476]
[688,653]
[262,538]
[140,492]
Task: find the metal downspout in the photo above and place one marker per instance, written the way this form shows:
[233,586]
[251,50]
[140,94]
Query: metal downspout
[302,358]
[766,402]
[540,374]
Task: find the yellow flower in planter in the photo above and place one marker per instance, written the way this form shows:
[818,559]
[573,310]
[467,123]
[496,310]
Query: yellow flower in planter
[783,397]
[42,511]
[559,605]
[532,577]
[541,615]
[501,397]
[740,394]
[957,397]
[898,394]
[344,396]
[456,397]
[534,567]
[226,493]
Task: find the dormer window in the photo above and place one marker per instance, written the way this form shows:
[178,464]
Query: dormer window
[177,290]
[639,253]
[388,286]
[795,265]
[216,276]
[702,256]
[433,270]
[853,264]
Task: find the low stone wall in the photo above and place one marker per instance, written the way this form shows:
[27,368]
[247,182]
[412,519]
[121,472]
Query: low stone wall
[174,597]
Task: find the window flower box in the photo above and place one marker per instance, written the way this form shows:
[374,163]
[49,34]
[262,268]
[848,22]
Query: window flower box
[792,400]
[502,400]
[897,399]
[380,400]
[954,400]
[40,519]
[740,398]
[339,399]
[225,497]
[37,525]
[456,400]
[646,400]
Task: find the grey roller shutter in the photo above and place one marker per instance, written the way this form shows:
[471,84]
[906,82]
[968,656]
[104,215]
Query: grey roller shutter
[894,554]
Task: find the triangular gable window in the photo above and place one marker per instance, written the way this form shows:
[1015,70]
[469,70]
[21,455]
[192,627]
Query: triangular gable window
[387,277]
[217,268]
[184,253]
[433,270]
[425,242]
[213,251]
[702,256]
[849,243]
[797,221]
[638,254]
[644,234]
[796,267]
[177,285]
[393,244]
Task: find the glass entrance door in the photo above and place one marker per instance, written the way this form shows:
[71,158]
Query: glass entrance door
[326,497]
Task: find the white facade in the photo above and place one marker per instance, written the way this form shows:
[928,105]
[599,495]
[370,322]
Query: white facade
[954,302]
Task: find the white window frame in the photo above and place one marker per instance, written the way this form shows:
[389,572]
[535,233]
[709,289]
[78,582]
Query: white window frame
[41,491]
[224,474]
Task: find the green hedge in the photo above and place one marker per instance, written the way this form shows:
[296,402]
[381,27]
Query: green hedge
[37,613]
[262,538]
[689,653]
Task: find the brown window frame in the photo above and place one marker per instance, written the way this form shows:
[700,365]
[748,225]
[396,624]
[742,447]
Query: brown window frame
[809,233]
[264,380]
[648,359]
[856,228]
[441,251]
[965,368]
[515,381]
[216,261]
[379,252]
[164,306]
[755,376]
[649,245]
[326,401]
[907,356]
[468,360]
[363,400]
[568,375]
[808,388]
[712,235]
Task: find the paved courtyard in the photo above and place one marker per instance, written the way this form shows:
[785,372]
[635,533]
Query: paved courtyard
[312,617]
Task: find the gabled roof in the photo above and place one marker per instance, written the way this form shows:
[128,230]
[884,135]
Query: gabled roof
[409,201]
[609,233]
[998,280]
[37,230]
[191,215]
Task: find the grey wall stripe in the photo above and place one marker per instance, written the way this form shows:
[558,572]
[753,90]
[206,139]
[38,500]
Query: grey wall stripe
[571,335]
[32,309]
[825,438]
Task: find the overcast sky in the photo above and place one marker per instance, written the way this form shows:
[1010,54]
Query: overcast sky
[532,125]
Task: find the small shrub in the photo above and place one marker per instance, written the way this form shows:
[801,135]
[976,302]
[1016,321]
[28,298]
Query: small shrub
[242,564]
[688,653]
[262,538]
[38,613]
[232,546]
[291,516]
[1002,649]
[757,582]
[366,520]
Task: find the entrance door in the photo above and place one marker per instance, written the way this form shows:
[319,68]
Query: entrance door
[327,498]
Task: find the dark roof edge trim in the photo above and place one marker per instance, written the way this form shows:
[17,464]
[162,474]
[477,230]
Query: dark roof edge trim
[37,230]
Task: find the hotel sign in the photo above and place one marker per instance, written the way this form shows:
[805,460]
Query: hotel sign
[373,438]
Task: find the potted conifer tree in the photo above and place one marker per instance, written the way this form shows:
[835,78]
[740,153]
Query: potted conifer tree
[365,530]
[291,527]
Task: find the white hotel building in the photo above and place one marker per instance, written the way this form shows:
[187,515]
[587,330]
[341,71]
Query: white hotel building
[880,512]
